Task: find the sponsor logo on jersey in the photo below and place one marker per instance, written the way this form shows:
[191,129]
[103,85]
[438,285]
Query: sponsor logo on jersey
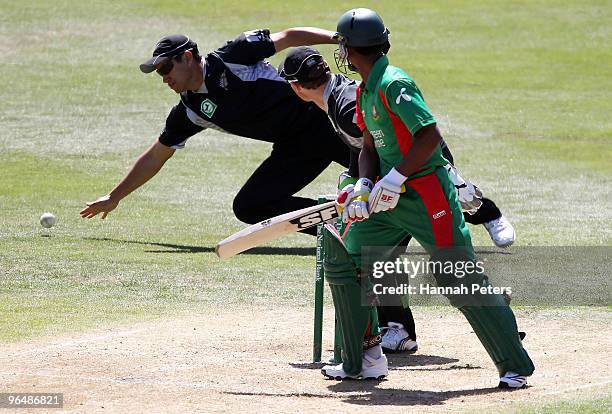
[208,108]
[317,217]
[379,143]
[439,214]
[377,133]
[401,96]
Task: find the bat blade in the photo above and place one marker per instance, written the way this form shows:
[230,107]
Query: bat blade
[275,227]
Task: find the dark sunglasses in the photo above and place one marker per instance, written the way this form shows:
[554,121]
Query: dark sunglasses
[166,67]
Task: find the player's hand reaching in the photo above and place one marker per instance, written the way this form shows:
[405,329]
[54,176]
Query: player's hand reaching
[353,200]
[386,193]
[470,196]
[102,205]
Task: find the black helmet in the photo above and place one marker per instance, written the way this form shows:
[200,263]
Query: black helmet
[359,28]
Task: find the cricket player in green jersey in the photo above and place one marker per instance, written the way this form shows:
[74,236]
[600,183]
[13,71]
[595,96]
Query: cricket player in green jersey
[415,196]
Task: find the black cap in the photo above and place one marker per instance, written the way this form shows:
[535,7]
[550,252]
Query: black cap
[303,64]
[167,48]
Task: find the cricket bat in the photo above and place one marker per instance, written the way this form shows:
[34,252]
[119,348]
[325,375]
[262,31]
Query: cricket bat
[275,227]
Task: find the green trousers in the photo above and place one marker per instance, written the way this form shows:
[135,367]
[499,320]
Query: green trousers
[429,211]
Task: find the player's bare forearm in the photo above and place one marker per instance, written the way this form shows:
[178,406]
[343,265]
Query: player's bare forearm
[368,158]
[145,167]
[424,144]
[301,36]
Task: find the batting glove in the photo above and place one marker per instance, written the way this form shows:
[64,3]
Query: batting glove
[386,192]
[470,196]
[353,200]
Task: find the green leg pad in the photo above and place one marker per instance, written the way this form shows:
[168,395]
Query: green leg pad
[356,321]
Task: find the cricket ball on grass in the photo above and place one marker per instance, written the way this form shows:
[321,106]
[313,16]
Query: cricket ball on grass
[47,220]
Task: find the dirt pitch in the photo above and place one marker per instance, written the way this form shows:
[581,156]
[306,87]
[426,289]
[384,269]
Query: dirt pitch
[249,360]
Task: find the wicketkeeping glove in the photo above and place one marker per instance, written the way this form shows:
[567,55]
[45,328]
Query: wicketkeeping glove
[353,200]
[386,193]
[470,196]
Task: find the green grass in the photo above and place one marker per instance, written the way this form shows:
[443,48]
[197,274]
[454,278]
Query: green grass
[521,91]
[594,406]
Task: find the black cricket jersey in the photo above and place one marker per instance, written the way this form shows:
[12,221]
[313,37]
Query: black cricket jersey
[340,95]
[242,94]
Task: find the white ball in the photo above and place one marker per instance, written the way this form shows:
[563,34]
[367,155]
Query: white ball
[47,220]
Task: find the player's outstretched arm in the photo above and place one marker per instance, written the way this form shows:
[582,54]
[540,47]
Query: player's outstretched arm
[145,168]
[301,36]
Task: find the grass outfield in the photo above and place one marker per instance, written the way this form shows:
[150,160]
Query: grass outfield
[521,90]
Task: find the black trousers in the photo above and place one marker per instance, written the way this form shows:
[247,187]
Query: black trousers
[397,314]
[292,165]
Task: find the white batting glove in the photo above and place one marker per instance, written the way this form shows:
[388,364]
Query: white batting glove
[470,196]
[353,200]
[386,193]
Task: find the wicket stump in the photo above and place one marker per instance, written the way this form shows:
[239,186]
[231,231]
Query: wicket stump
[319,289]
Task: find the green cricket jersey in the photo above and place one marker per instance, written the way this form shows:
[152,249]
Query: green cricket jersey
[391,107]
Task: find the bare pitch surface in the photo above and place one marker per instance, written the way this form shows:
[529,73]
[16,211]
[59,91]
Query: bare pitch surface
[226,361]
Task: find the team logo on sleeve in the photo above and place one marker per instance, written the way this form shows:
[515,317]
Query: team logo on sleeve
[208,108]
[401,96]
[254,36]
[374,113]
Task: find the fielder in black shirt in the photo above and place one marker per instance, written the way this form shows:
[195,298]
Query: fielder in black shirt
[233,89]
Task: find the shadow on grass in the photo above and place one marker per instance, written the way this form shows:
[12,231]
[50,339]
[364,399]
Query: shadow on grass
[179,248]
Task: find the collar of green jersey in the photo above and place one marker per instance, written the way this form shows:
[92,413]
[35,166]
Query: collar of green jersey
[376,72]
